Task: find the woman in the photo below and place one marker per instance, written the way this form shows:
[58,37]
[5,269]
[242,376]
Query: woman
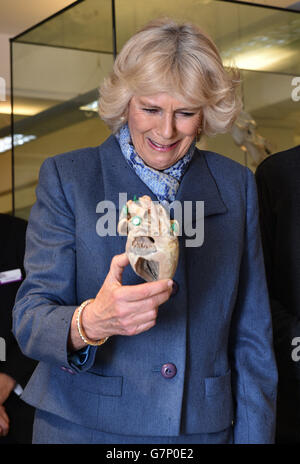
[188,361]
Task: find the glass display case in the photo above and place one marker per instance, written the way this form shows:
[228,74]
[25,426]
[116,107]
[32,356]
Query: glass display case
[57,67]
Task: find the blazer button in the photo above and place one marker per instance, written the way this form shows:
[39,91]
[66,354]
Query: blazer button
[168,370]
[175,288]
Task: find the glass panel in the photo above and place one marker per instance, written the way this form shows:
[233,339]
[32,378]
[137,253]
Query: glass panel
[52,88]
[254,37]
[85,26]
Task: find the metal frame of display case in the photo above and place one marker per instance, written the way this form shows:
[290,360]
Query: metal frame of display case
[74,102]
[77,100]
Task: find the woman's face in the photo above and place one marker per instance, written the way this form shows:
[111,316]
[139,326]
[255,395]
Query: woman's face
[162,128]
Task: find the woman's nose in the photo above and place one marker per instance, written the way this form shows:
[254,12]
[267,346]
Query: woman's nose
[167,126]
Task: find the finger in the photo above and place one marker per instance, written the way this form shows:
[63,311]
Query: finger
[137,327]
[4,423]
[3,414]
[156,300]
[146,326]
[138,318]
[132,308]
[118,263]
[4,431]
[146,290]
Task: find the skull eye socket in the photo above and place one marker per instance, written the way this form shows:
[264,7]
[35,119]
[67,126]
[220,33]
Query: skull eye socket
[136,220]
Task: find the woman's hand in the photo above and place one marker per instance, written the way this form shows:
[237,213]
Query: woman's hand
[7,384]
[118,309]
[4,422]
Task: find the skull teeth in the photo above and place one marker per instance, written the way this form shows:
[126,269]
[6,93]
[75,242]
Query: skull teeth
[143,245]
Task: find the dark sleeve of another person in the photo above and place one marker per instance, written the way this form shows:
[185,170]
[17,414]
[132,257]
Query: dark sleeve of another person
[12,242]
[281,253]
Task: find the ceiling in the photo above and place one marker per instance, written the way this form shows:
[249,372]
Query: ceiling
[18,15]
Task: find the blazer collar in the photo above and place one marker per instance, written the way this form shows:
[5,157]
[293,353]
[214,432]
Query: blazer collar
[198,182]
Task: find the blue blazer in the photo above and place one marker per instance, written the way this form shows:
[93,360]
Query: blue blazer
[216,329]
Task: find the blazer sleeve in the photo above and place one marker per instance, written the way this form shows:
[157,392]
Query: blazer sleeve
[254,376]
[46,300]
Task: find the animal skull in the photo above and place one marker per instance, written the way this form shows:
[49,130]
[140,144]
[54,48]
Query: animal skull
[152,244]
[244,133]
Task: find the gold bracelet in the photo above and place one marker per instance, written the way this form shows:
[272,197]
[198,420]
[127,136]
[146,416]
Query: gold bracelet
[80,329]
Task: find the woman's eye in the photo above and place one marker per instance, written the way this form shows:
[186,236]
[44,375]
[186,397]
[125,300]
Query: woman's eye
[150,110]
[186,114]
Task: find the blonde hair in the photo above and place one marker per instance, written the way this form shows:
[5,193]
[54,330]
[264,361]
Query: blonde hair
[178,59]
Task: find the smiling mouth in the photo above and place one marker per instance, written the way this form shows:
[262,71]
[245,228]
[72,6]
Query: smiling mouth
[161,147]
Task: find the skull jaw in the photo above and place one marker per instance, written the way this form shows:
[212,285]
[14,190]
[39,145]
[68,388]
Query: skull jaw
[159,265]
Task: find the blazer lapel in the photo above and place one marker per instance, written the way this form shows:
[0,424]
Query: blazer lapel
[118,176]
[198,184]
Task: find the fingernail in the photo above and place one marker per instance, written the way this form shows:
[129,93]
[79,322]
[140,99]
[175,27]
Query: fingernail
[170,283]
